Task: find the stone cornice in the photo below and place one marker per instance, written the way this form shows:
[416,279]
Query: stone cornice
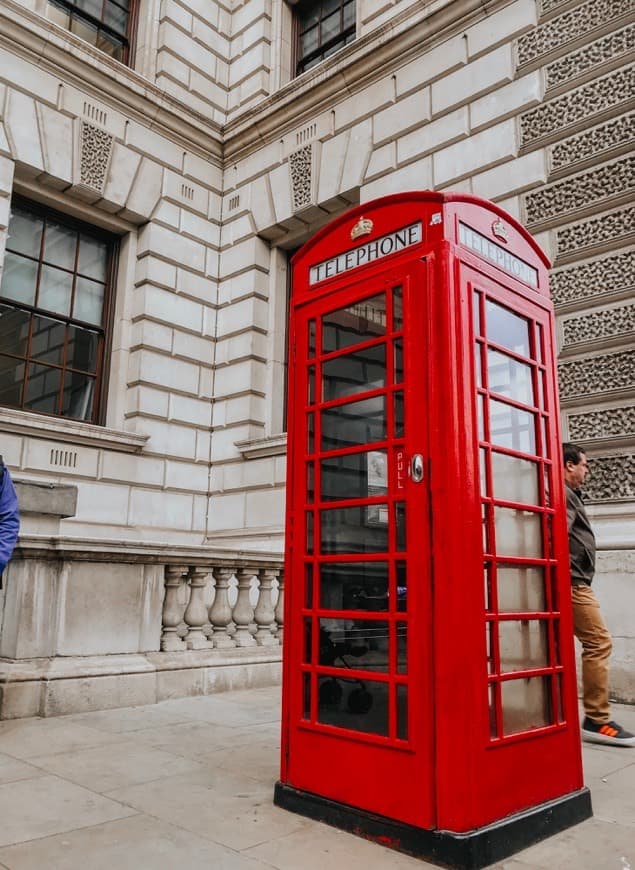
[355,67]
[72,431]
[66,56]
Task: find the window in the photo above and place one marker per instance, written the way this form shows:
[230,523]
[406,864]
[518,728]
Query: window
[322,29]
[106,24]
[54,299]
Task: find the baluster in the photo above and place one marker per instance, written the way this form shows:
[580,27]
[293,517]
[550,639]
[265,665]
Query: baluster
[279,611]
[264,615]
[196,612]
[243,611]
[172,610]
[220,613]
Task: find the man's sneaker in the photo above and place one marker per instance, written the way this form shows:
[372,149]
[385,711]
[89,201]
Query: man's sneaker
[606,732]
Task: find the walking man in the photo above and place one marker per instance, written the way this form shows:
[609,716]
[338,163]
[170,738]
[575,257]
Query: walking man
[9,517]
[589,626]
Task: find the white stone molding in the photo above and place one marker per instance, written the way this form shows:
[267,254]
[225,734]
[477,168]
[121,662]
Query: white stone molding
[243,614]
[196,615]
[71,431]
[264,615]
[94,147]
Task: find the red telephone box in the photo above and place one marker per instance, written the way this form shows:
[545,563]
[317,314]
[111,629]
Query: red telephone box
[429,694]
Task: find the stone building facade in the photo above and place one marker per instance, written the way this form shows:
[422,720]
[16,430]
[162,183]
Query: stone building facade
[149,441]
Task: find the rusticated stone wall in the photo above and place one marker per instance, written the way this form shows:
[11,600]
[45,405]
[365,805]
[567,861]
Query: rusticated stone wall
[586,122]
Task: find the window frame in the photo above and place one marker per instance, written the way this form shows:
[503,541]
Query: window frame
[128,41]
[105,328]
[341,40]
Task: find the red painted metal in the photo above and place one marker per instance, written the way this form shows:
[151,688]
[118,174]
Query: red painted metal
[465,761]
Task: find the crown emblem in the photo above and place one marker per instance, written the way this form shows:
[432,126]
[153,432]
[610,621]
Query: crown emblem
[363,227]
[500,230]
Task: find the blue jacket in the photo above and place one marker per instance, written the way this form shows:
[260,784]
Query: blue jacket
[9,517]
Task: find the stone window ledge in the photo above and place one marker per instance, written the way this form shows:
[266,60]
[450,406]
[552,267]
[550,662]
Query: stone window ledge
[73,431]
[256,448]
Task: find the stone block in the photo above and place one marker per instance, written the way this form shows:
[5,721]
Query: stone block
[431,65]
[405,115]
[141,138]
[187,476]
[245,314]
[153,368]
[203,171]
[22,129]
[30,77]
[280,181]
[437,134]
[488,72]
[199,287]
[55,457]
[261,201]
[155,271]
[52,499]
[57,145]
[228,678]
[83,694]
[240,377]
[122,468]
[332,156]
[146,401]
[193,348]
[102,503]
[185,194]
[176,13]
[170,439]
[191,52]
[382,161]
[146,333]
[506,101]
[501,26]
[195,412]
[199,228]
[7,166]
[364,104]
[226,512]
[20,700]
[360,146]
[121,172]
[414,176]
[172,246]
[145,192]
[246,255]
[479,151]
[31,595]
[171,511]
[181,683]
[512,177]
[265,507]
[167,307]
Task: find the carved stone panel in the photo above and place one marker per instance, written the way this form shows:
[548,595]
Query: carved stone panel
[612,477]
[616,227]
[591,144]
[603,183]
[602,424]
[609,275]
[301,167]
[95,152]
[598,374]
[576,23]
[612,92]
[599,324]
[596,54]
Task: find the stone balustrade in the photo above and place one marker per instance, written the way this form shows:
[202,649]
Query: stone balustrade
[222,607]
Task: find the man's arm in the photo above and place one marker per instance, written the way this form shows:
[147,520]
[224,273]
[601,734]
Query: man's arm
[571,508]
[9,519]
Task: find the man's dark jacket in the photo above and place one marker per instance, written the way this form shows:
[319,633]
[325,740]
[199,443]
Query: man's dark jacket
[581,539]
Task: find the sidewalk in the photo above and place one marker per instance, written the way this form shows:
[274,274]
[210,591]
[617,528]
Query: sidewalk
[188,784]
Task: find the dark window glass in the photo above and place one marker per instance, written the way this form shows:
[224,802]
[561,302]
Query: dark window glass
[52,303]
[106,24]
[353,705]
[322,29]
[354,586]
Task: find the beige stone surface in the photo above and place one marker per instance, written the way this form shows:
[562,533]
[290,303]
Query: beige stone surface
[217,811]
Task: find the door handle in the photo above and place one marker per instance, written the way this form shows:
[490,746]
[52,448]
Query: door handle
[416,468]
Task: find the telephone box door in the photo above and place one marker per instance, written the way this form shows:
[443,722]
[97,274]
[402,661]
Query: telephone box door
[359,728]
